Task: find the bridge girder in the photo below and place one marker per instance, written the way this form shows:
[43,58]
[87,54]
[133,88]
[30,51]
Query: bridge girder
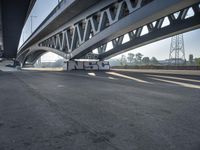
[156,30]
[111,20]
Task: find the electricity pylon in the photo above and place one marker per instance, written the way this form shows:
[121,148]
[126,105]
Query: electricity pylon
[177,50]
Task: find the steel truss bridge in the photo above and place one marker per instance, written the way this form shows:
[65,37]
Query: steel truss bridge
[100,29]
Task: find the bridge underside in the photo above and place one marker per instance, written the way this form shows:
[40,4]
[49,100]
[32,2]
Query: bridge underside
[13,15]
[124,25]
[161,28]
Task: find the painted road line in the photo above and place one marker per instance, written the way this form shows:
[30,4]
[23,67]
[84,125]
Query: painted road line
[177,78]
[178,83]
[126,77]
[161,71]
[112,78]
[43,69]
[94,75]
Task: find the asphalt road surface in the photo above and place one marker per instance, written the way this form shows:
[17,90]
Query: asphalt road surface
[112,110]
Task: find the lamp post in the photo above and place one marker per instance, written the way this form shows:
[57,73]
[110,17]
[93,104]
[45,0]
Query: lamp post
[23,37]
[32,23]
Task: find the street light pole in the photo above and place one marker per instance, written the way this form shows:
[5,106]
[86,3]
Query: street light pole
[32,23]
[23,36]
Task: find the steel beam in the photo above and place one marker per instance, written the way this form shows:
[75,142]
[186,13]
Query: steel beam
[176,26]
[110,21]
[143,16]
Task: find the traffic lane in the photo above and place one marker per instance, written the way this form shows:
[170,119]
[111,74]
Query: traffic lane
[134,114]
[29,121]
[192,79]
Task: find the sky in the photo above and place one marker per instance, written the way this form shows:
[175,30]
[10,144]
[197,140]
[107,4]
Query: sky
[39,12]
[159,49]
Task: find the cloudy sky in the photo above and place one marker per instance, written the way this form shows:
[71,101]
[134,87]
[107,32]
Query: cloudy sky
[158,49]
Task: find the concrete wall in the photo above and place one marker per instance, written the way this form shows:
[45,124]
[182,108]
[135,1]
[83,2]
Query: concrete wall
[86,65]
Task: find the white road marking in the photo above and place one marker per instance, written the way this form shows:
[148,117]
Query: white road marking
[112,78]
[94,75]
[178,83]
[180,72]
[91,74]
[60,86]
[127,77]
[170,77]
[43,69]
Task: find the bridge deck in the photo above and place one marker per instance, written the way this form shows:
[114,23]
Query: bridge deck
[109,111]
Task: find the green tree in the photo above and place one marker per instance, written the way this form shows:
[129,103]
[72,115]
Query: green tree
[191,59]
[123,60]
[138,57]
[146,60]
[130,58]
[197,61]
[154,61]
